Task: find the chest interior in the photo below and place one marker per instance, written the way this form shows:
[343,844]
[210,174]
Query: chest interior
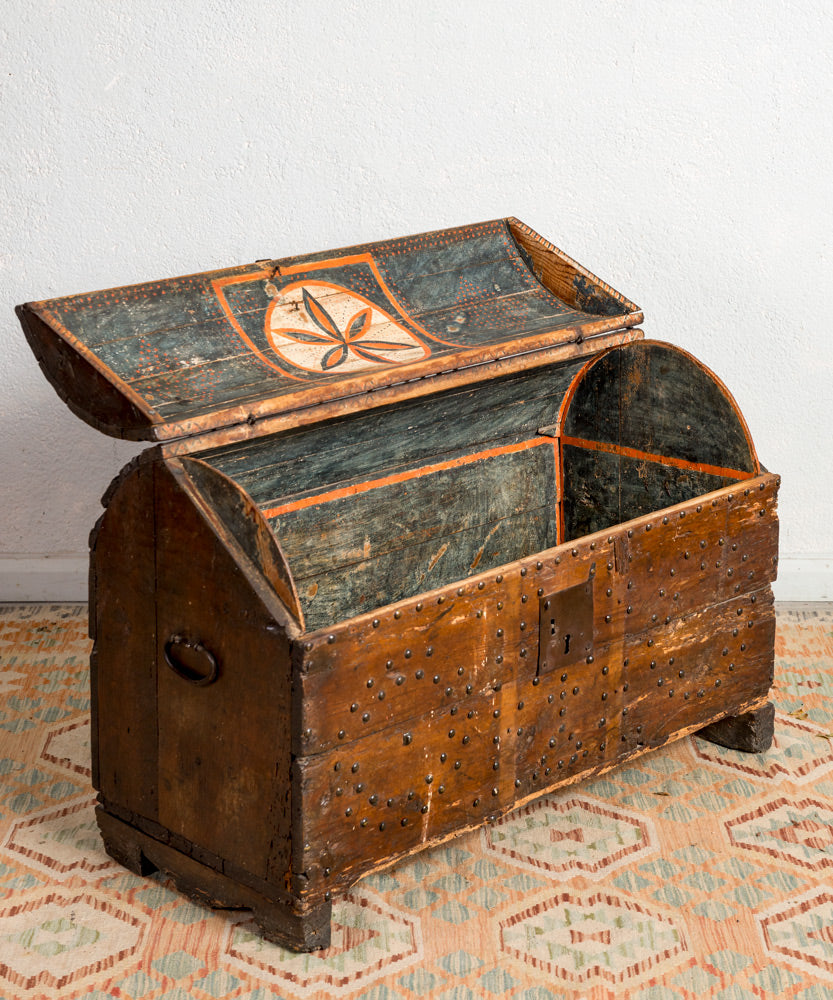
[380,506]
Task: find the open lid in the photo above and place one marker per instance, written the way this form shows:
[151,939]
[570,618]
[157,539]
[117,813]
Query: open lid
[176,358]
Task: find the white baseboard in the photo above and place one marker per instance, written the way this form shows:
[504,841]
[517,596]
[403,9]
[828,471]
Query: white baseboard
[43,578]
[804,578]
[64,578]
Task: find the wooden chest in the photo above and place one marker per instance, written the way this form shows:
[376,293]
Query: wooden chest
[428,530]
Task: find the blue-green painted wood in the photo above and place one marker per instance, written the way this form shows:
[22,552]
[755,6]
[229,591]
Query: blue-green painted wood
[602,490]
[404,514]
[363,586]
[209,342]
[347,450]
[655,398]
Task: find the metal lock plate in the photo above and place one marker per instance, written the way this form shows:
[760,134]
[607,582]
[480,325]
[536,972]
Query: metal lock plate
[565,634]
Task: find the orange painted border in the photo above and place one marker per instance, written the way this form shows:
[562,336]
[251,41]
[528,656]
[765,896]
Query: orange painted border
[567,401]
[362,258]
[219,284]
[405,476]
[647,456]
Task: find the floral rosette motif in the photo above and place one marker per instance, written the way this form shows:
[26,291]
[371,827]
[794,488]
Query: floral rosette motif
[336,330]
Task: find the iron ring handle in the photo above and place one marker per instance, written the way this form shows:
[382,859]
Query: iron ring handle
[183,670]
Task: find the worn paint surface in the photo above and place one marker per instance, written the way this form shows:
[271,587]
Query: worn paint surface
[642,428]
[456,688]
[380,506]
[383,505]
[188,347]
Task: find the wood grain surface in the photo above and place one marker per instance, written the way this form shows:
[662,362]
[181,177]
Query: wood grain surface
[435,712]
[191,354]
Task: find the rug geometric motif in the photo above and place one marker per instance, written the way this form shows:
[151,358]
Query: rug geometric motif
[573,835]
[60,842]
[69,747]
[800,831]
[51,940]
[801,751]
[802,931]
[578,938]
[691,873]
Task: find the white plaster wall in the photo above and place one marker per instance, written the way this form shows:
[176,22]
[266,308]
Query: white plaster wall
[682,151]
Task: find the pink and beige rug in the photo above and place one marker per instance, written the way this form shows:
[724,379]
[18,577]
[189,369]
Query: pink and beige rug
[695,874]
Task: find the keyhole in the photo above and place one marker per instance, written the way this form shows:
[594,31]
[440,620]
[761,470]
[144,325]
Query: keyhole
[566,643]
[552,626]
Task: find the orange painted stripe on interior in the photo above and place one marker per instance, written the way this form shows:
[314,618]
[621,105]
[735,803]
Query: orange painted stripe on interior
[563,410]
[402,477]
[676,463]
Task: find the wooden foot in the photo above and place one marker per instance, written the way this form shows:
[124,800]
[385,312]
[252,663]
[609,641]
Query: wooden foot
[124,849]
[277,916]
[751,732]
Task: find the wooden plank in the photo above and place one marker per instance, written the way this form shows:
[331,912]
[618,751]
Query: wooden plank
[224,754]
[590,499]
[646,426]
[242,519]
[463,307]
[645,485]
[406,434]
[440,251]
[671,404]
[593,403]
[140,311]
[434,654]
[711,549]
[566,278]
[603,489]
[736,525]
[639,694]
[123,616]
[242,378]
[462,283]
[278,920]
[642,578]
[393,791]
[731,668]
[358,588]
[199,388]
[87,388]
[247,419]
[488,320]
[658,399]
[352,524]
[167,351]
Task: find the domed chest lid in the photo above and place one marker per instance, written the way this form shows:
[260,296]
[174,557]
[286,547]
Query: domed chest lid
[315,334]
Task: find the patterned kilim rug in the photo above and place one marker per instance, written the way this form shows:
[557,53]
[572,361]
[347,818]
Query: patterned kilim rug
[694,873]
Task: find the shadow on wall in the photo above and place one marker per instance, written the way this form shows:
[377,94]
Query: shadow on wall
[55,471]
